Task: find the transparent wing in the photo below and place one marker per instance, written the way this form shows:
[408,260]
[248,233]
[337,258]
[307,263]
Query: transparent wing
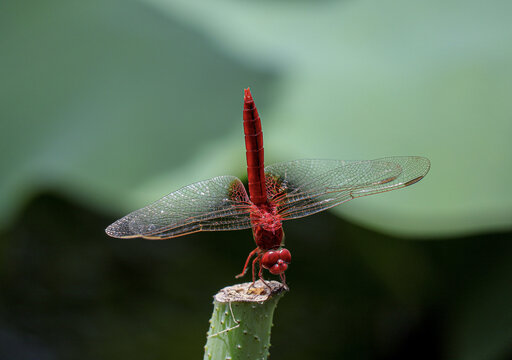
[220,203]
[305,187]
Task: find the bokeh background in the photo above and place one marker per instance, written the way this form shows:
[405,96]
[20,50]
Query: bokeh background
[108,105]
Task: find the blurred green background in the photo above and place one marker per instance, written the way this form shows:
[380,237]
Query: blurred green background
[108,105]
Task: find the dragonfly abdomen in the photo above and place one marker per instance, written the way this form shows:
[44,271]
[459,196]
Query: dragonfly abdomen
[254,151]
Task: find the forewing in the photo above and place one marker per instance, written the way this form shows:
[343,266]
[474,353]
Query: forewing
[305,187]
[220,203]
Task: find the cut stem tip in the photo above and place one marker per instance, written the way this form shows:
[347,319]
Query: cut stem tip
[246,292]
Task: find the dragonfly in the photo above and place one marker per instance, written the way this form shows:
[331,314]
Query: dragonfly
[278,192]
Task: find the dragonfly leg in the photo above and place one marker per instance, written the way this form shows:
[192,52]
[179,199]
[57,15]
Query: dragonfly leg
[260,275]
[256,259]
[244,271]
[283,280]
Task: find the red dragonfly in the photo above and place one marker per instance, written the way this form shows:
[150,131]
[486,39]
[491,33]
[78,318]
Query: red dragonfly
[282,191]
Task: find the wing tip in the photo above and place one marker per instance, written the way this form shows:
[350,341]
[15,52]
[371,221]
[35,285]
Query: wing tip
[424,171]
[110,231]
[113,230]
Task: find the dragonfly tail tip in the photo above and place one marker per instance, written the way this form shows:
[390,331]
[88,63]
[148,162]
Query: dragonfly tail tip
[247,94]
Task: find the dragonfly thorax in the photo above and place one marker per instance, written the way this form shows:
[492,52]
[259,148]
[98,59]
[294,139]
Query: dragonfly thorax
[266,227]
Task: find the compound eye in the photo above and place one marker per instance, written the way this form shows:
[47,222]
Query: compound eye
[269,259]
[285,255]
[278,268]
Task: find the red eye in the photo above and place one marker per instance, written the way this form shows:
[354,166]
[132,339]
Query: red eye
[269,259]
[278,268]
[285,255]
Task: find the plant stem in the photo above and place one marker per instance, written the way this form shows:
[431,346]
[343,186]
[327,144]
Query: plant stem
[241,321]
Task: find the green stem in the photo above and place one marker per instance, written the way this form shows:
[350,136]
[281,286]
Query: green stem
[241,321]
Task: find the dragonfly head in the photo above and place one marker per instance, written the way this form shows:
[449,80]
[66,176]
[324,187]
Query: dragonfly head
[276,261]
